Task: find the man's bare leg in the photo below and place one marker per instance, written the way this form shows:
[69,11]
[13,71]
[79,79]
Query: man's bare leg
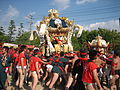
[48,83]
[69,82]
[34,81]
[112,82]
[54,79]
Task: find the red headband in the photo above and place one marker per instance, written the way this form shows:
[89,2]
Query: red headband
[83,59]
[83,53]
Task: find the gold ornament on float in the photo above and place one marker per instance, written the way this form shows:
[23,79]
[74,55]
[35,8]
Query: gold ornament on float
[56,32]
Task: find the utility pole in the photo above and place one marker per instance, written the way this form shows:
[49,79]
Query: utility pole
[30,18]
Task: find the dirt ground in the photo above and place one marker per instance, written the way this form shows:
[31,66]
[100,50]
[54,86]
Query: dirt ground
[39,87]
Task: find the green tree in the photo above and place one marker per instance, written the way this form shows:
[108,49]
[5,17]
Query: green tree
[20,30]
[78,42]
[111,36]
[3,36]
[24,39]
[11,30]
[2,31]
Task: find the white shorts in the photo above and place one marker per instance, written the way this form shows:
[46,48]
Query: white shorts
[19,67]
[86,84]
[49,68]
[33,72]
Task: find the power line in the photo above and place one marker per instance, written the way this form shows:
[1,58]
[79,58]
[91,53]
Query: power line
[79,14]
[92,9]
[82,12]
[97,19]
[75,15]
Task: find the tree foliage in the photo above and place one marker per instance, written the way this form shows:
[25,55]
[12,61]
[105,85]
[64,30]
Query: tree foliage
[20,30]
[2,31]
[112,36]
[11,30]
[3,36]
[24,39]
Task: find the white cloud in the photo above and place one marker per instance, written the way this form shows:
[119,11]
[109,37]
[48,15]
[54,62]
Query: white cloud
[84,1]
[11,12]
[32,13]
[113,24]
[61,4]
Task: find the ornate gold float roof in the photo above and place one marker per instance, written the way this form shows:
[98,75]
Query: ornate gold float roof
[53,11]
[99,42]
[98,37]
[55,23]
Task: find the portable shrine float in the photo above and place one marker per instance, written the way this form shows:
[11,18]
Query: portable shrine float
[55,33]
[99,44]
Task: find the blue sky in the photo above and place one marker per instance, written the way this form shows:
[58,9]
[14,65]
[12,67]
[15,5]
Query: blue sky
[89,13]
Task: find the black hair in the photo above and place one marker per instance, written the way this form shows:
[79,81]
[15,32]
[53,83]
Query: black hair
[117,52]
[30,49]
[83,50]
[22,48]
[36,51]
[6,48]
[11,47]
[93,54]
[61,54]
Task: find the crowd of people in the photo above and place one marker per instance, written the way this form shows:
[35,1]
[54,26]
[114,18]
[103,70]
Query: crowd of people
[83,70]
